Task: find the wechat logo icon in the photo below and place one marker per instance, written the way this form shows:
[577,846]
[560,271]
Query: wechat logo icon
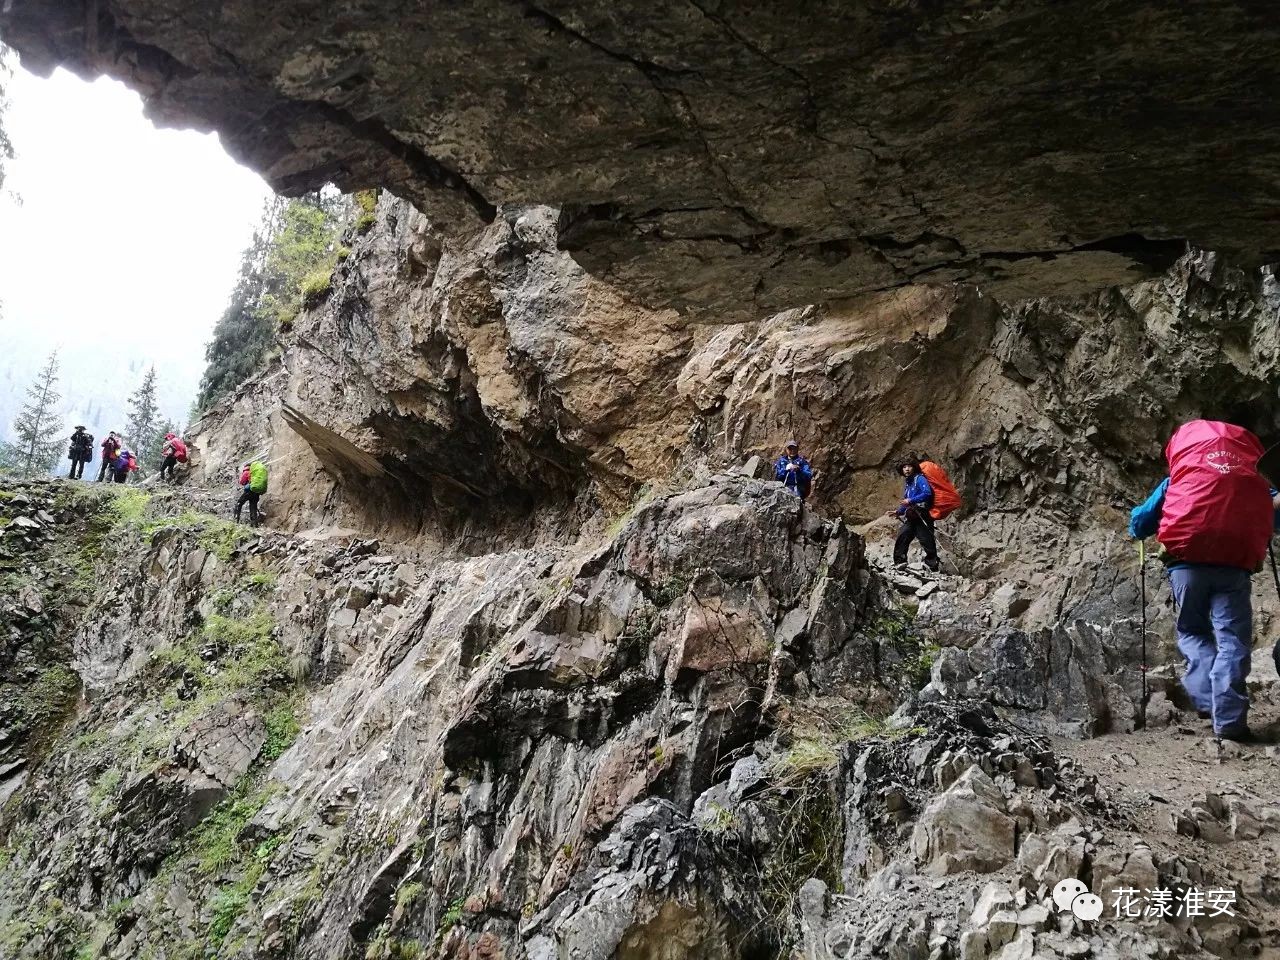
[1071,894]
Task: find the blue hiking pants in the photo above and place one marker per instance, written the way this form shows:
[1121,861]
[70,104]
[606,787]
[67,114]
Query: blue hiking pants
[1215,634]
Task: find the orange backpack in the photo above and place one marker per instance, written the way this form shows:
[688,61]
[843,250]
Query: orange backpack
[946,498]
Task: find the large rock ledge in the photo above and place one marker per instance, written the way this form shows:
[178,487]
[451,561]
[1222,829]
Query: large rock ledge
[733,159]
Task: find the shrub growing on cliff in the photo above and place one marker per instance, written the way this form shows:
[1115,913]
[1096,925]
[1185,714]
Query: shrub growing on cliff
[286,266]
[315,287]
[367,205]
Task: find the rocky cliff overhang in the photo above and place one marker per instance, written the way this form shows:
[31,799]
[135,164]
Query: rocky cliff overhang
[731,158]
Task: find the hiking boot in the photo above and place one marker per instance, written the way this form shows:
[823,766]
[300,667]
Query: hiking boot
[1204,714]
[1241,734]
[933,567]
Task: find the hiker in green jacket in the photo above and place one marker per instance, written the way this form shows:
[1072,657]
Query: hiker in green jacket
[253,481]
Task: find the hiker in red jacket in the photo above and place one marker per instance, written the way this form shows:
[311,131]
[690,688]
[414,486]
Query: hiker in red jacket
[110,449]
[173,452]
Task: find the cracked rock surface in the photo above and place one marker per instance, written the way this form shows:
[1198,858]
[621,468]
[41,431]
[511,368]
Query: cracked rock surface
[730,159]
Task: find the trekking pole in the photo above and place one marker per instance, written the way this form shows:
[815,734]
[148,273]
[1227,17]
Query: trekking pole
[1142,581]
[1271,551]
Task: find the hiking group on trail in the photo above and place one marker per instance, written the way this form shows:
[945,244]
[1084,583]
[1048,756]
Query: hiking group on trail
[117,460]
[928,495]
[1213,515]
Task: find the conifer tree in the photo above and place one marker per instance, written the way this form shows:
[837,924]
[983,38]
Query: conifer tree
[290,262]
[38,426]
[6,75]
[143,429]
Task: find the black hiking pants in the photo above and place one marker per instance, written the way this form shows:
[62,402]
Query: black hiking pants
[104,469]
[916,525]
[251,498]
[77,469]
[169,463]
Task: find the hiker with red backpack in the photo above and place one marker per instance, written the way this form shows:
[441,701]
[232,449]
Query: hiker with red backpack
[253,481]
[124,464]
[173,452]
[1213,517]
[913,512]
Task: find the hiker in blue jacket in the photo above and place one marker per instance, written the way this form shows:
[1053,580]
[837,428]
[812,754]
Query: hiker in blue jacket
[913,511]
[793,471]
[1214,624]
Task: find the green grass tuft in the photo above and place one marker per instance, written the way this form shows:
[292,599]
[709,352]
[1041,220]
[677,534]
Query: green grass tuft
[315,287]
[366,200]
[450,918]
[409,894]
[230,902]
[282,729]
[215,843]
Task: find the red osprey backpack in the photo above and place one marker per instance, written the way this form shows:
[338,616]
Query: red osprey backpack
[1218,507]
[946,498]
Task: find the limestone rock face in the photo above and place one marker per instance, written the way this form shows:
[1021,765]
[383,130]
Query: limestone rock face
[467,398]
[734,160]
[674,740]
[965,828]
[444,381]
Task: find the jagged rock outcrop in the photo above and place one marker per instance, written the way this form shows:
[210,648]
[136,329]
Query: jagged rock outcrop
[504,356]
[47,545]
[484,733]
[555,396]
[304,746]
[732,160]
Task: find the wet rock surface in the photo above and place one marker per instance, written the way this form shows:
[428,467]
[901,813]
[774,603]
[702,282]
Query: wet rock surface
[732,160]
[544,708]
[43,590]
[678,743]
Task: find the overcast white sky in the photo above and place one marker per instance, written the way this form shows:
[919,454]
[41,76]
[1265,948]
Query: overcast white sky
[127,238]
